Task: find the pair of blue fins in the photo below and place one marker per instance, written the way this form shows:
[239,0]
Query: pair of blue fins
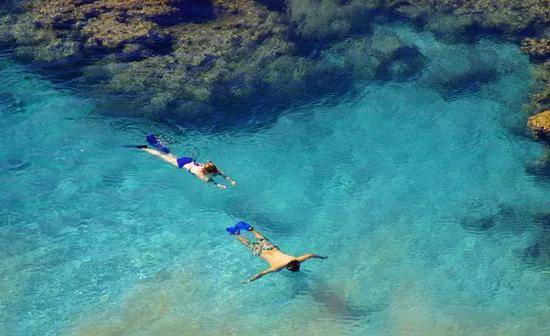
[154,142]
[236,229]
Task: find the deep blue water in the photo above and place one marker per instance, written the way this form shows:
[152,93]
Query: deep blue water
[416,190]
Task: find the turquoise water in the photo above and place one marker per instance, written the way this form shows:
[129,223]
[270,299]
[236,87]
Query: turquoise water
[416,190]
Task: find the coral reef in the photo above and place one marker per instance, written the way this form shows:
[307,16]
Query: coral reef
[540,125]
[322,18]
[159,54]
[186,59]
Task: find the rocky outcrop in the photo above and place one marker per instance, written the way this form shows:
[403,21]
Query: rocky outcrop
[540,167]
[540,125]
[184,59]
[509,16]
[336,18]
[536,48]
[57,29]
[177,55]
[539,51]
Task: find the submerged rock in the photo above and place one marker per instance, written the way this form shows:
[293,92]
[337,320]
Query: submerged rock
[181,56]
[335,17]
[541,100]
[538,252]
[540,125]
[187,59]
[536,48]
[456,19]
[9,104]
[540,167]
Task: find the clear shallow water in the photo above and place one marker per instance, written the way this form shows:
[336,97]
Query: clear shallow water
[416,190]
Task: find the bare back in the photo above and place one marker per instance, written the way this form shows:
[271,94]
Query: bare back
[276,258]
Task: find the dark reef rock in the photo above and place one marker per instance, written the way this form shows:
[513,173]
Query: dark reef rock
[178,55]
[539,51]
[516,19]
[539,251]
[184,59]
[335,17]
[9,104]
[543,220]
[503,217]
[541,100]
[540,167]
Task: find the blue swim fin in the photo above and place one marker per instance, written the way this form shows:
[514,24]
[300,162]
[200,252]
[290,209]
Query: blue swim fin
[153,141]
[243,226]
[233,230]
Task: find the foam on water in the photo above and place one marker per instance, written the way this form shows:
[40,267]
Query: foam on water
[416,190]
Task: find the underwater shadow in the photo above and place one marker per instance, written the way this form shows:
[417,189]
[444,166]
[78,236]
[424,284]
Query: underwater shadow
[538,252]
[505,220]
[330,298]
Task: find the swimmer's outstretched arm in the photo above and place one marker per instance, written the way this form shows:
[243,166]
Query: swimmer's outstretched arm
[257,234]
[210,180]
[261,274]
[227,178]
[243,240]
[309,256]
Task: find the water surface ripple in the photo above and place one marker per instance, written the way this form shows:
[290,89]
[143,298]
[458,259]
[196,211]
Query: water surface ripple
[415,189]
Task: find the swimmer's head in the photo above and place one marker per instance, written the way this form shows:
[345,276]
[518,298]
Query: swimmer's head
[293,266]
[210,168]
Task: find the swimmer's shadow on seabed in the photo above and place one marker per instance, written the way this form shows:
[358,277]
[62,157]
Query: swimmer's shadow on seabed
[327,296]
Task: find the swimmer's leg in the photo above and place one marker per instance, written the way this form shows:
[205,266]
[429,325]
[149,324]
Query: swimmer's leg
[257,234]
[171,159]
[255,248]
[243,240]
[248,227]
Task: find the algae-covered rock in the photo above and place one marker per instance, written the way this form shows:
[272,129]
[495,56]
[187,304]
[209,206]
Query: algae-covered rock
[188,58]
[540,167]
[326,18]
[536,48]
[455,19]
[160,55]
[511,16]
[541,100]
[540,125]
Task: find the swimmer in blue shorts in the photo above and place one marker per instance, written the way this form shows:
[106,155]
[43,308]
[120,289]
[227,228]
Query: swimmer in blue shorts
[204,171]
[264,249]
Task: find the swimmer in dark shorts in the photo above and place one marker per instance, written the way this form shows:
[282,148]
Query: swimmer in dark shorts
[263,248]
[204,171]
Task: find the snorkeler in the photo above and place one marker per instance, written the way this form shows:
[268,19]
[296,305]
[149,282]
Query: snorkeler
[263,248]
[205,171]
